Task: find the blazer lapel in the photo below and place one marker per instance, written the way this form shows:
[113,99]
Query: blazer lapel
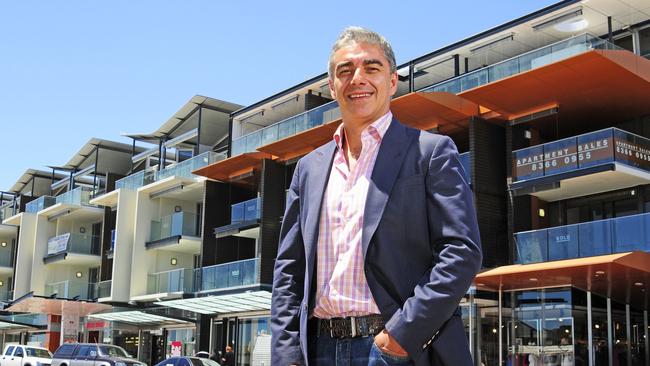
[317,179]
[387,166]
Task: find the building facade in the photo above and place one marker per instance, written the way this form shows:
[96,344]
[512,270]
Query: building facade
[551,116]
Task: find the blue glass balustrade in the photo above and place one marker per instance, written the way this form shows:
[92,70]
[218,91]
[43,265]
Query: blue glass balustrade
[103,289]
[227,275]
[527,61]
[582,151]
[315,117]
[245,211]
[177,280]
[618,235]
[176,224]
[78,196]
[40,203]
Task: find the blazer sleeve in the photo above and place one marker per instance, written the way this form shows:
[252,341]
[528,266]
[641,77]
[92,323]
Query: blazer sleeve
[288,281]
[456,249]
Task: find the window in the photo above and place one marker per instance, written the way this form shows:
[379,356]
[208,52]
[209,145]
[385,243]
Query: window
[65,350]
[625,42]
[19,352]
[644,42]
[183,362]
[9,350]
[84,351]
[37,352]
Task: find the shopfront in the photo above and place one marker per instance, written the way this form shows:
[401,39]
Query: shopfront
[248,335]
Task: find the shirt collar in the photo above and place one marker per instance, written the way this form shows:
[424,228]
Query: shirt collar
[377,128]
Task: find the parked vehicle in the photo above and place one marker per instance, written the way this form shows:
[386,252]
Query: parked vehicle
[92,354]
[19,355]
[187,361]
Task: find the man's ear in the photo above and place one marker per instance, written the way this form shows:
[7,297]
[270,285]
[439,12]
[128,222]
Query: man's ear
[330,82]
[393,83]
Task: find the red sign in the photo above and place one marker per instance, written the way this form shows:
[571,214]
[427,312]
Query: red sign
[96,325]
[176,348]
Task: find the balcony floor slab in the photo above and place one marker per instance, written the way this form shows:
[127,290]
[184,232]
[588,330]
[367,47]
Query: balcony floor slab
[74,212]
[13,220]
[75,259]
[170,187]
[583,182]
[107,199]
[6,271]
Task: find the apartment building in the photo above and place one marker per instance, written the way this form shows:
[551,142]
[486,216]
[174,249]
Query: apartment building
[550,114]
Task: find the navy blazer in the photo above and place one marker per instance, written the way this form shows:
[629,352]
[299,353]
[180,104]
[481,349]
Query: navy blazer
[420,243]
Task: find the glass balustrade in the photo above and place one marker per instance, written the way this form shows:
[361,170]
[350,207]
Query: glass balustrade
[285,128]
[40,203]
[185,168]
[74,243]
[7,210]
[618,235]
[227,275]
[245,211]
[71,289]
[176,224]
[177,280]
[103,289]
[5,258]
[78,196]
[136,180]
[5,295]
[527,61]
[582,151]
[113,240]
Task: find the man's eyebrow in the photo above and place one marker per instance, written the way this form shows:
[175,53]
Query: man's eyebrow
[343,64]
[373,61]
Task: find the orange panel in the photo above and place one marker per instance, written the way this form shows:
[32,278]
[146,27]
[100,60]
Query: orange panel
[227,169]
[428,110]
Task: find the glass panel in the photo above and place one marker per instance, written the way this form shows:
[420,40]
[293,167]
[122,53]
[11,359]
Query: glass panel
[136,180]
[177,280]
[532,246]
[254,342]
[563,242]
[595,148]
[77,196]
[238,146]
[39,204]
[631,149]
[70,289]
[644,42]
[176,224]
[629,233]
[560,156]
[595,238]
[104,289]
[232,274]
[185,168]
[528,163]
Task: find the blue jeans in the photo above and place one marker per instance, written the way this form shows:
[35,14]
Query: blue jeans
[362,351]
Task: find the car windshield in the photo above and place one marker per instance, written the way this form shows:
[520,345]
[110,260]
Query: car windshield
[112,351]
[37,352]
[209,362]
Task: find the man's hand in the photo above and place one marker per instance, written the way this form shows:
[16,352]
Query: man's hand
[389,345]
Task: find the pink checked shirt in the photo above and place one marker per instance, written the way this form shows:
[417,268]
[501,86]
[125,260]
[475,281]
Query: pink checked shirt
[342,289]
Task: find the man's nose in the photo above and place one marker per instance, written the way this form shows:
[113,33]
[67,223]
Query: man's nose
[358,77]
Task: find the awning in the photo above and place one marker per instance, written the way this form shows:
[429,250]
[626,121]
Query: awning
[44,305]
[223,304]
[623,276]
[136,317]
[231,168]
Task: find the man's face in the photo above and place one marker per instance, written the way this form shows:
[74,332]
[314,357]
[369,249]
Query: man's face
[362,83]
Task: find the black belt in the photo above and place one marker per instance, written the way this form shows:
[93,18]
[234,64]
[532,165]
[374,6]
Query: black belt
[350,327]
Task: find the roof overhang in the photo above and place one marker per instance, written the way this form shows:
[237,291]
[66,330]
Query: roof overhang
[136,317]
[223,304]
[594,85]
[624,277]
[232,168]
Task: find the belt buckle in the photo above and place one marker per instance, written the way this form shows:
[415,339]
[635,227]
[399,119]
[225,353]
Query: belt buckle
[353,325]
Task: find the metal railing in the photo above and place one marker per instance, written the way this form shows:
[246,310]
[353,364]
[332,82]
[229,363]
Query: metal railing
[176,280]
[524,62]
[227,275]
[285,128]
[617,235]
[581,151]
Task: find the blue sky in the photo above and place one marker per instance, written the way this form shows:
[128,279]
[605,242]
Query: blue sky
[71,70]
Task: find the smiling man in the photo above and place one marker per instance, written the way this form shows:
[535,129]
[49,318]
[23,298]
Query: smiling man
[379,241]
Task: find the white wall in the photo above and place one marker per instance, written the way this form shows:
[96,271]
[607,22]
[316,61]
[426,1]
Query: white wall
[24,258]
[123,254]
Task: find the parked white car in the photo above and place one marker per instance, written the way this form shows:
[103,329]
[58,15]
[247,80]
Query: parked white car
[19,355]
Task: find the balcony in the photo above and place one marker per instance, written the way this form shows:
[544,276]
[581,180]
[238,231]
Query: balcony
[103,289]
[177,280]
[527,61]
[136,180]
[185,168]
[71,289]
[74,249]
[285,128]
[77,197]
[178,228]
[227,275]
[245,211]
[6,211]
[610,236]
[594,162]
[40,204]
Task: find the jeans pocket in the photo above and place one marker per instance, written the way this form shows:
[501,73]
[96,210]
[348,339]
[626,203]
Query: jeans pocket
[379,357]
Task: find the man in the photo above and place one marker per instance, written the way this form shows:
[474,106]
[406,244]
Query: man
[228,358]
[379,240]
